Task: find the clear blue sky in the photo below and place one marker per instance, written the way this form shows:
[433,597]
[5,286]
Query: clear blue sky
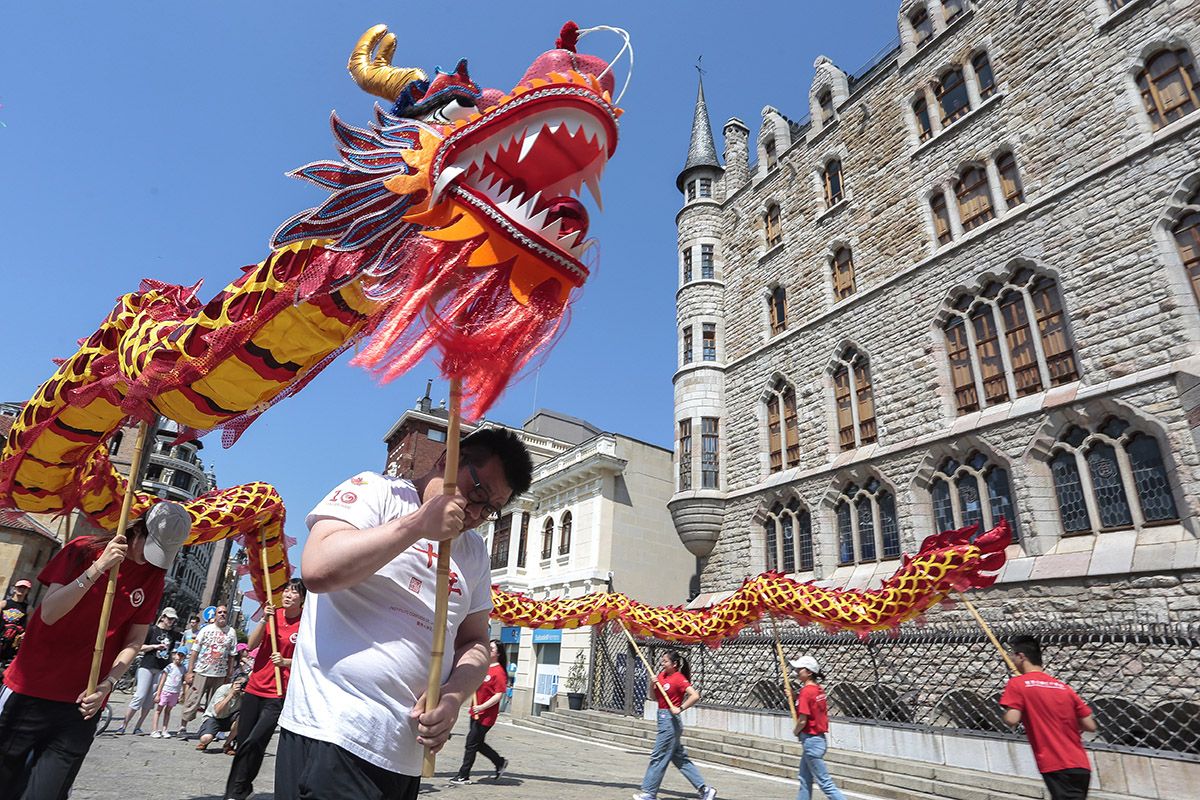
[150,140]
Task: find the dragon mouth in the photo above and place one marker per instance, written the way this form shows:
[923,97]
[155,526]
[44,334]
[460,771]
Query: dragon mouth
[525,162]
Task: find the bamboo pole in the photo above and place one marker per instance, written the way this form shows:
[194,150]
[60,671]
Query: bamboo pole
[649,672]
[135,467]
[271,619]
[433,687]
[991,636]
[783,667]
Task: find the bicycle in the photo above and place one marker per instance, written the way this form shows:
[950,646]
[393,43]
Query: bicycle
[125,686]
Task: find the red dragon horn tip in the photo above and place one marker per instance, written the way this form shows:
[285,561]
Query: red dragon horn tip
[568,37]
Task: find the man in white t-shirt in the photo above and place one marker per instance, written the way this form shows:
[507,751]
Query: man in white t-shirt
[354,723]
[210,663]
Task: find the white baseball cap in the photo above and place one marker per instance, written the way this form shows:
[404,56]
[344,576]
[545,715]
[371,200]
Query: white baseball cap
[167,528]
[806,662]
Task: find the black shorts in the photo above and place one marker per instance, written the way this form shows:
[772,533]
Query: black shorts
[1068,784]
[314,770]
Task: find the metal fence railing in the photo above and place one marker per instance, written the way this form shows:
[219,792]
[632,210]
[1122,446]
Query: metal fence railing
[1139,679]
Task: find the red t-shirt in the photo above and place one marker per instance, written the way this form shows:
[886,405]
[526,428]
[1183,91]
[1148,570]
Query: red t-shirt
[494,683]
[811,702]
[54,660]
[675,684]
[1050,711]
[262,674]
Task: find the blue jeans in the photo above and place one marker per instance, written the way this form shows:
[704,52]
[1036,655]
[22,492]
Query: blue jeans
[668,749]
[812,767]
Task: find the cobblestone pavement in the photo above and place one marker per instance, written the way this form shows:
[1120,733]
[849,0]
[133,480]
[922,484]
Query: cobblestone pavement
[543,766]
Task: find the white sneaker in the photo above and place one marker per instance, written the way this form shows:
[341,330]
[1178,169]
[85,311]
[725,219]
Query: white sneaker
[166,734]
[155,734]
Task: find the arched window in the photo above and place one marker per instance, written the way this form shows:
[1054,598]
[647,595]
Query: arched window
[1187,238]
[922,26]
[1010,180]
[974,201]
[951,91]
[1109,478]
[777,305]
[867,524]
[952,9]
[941,218]
[783,426]
[921,114]
[825,107]
[1168,86]
[789,538]
[547,539]
[972,492]
[984,78]
[564,534]
[854,400]
[843,274]
[832,178]
[774,226]
[772,156]
[995,353]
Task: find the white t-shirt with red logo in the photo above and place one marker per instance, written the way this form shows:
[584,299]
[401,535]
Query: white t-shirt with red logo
[362,653]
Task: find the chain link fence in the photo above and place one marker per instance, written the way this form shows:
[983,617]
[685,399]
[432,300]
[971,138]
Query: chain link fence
[1141,680]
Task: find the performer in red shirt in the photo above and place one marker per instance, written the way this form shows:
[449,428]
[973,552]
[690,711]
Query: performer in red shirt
[484,713]
[261,703]
[48,719]
[1053,715]
[674,682]
[812,723]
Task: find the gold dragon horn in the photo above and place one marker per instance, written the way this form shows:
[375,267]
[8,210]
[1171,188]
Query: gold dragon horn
[376,75]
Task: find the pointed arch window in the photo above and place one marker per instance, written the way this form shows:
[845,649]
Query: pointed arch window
[783,426]
[1168,85]
[922,26]
[564,534]
[547,538]
[951,92]
[788,537]
[952,9]
[974,491]
[843,274]
[777,305]
[921,114]
[1110,477]
[993,351]
[868,529]
[1010,180]
[974,198]
[773,223]
[854,400]
[1187,238]
[941,218]
[831,176]
[984,79]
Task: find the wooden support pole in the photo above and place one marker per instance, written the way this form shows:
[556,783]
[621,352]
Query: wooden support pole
[135,471]
[650,673]
[441,610]
[991,636]
[271,619]
[783,667]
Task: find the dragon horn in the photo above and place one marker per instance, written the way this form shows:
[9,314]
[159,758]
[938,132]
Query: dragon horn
[376,75]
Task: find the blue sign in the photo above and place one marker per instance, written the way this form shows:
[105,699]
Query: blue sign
[510,635]
[547,637]
[209,614]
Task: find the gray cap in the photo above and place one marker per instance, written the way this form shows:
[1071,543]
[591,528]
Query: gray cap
[167,528]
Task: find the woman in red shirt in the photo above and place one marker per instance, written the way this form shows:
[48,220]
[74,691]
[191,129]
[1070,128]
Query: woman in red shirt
[48,718]
[261,703]
[484,713]
[812,722]
[673,682]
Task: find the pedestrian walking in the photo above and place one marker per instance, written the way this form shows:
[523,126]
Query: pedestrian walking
[354,721]
[484,713]
[166,696]
[1053,715]
[14,610]
[155,655]
[210,663]
[812,723]
[263,701]
[47,717]
[675,681]
[221,713]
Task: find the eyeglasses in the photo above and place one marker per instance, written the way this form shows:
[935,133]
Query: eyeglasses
[478,496]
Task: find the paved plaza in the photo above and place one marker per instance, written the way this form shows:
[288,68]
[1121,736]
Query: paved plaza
[543,766]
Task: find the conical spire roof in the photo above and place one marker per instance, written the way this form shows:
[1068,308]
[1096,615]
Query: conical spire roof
[702,150]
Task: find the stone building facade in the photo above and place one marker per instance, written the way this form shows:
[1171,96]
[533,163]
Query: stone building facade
[963,286]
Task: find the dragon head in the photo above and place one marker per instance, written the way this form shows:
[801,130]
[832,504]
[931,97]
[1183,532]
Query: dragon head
[462,204]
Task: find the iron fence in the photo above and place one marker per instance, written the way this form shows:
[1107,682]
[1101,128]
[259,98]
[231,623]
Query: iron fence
[1139,679]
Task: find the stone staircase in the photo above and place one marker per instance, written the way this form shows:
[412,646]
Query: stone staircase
[875,776]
